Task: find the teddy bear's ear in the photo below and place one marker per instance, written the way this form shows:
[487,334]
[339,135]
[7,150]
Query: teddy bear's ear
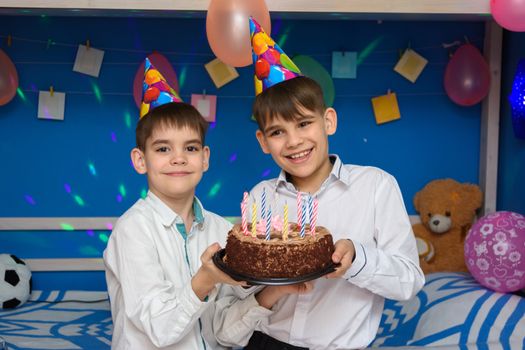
[473,196]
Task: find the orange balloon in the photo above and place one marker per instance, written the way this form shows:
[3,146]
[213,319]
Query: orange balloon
[228,29]
[8,79]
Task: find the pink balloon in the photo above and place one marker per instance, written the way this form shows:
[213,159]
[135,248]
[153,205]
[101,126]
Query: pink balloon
[510,14]
[467,76]
[8,79]
[228,29]
[495,251]
[163,65]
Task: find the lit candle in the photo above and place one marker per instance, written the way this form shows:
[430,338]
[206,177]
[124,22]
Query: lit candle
[303,218]
[313,222]
[299,204]
[269,223]
[254,220]
[244,219]
[285,223]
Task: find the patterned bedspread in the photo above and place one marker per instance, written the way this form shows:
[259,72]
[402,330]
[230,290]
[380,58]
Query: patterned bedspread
[451,312]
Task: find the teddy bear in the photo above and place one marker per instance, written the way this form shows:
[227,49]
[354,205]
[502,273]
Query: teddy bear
[447,209]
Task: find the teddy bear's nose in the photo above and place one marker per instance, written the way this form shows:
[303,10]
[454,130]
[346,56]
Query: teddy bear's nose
[435,222]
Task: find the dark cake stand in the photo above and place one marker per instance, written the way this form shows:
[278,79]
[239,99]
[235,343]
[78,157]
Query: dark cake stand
[218,259]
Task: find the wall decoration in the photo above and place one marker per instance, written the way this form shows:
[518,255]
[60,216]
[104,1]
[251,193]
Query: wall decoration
[51,104]
[386,108]
[220,73]
[410,65]
[344,64]
[206,105]
[467,76]
[8,79]
[228,30]
[88,60]
[313,69]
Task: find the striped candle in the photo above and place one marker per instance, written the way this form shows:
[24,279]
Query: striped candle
[269,223]
[263,204]
[303,218]
[313,219]
[310,210]
[285,222]
[299,204]
[254,220]
[244,219]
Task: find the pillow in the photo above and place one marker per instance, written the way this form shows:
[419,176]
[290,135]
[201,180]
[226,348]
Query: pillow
[453,309]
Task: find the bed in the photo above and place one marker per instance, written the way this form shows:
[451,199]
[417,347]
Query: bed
[452,311]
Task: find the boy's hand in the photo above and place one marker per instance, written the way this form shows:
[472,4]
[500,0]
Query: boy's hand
[209,274]
[344,254]
[271,294]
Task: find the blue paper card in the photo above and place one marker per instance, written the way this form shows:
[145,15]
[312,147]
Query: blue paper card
[344,64]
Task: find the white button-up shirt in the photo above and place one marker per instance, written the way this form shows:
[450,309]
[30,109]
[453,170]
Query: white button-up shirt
[363,204]
[150,260]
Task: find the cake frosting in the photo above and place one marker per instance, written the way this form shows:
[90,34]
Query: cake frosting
[276,257]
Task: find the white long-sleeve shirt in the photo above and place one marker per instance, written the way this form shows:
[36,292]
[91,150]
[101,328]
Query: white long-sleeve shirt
[363,204]
[150,260]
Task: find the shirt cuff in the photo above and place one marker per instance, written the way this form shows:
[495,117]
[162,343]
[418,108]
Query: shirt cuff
[191,302]
[363,265]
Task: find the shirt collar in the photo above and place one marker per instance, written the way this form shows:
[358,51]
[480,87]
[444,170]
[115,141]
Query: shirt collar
[167,215]
[339,171]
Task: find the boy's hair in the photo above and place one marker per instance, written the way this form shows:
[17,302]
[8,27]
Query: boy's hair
[286,99]
[175,114]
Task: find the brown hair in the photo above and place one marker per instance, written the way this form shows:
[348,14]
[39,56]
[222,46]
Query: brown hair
[286,99]
[174,114]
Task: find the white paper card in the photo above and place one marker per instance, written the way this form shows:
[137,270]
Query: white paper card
[88,61]
[51,107]
[344,64]
[203,106]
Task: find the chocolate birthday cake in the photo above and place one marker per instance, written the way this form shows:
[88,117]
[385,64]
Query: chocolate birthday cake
[278,257]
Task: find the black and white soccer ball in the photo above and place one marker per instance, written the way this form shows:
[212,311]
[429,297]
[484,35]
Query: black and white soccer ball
[15,281]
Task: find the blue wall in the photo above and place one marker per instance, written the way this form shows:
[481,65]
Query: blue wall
[46,164]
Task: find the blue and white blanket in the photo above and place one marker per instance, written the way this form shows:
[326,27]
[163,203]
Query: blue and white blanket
[451,312]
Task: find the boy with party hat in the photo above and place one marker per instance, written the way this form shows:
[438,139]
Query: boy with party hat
[161,280]
[361,206]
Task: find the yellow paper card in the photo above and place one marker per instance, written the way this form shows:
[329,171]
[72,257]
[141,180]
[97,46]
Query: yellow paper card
[410,65]
[220,73]
[386,108]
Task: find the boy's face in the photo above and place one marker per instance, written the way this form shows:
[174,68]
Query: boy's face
[300,147]
[174,160]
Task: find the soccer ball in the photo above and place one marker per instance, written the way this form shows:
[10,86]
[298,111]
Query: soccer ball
[15,281]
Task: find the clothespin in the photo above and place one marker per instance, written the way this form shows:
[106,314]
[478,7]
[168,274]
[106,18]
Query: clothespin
[466,40]
[9,40]
[48,43]
[204,94]
[388,92]
[88,44]
[51,91]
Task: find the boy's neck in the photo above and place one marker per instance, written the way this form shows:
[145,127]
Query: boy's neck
[183,206]
[312,183]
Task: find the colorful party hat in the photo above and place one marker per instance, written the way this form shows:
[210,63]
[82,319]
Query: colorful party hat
[272,65]
[155,90]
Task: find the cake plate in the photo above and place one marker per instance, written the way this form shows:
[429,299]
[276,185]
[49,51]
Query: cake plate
[218,260]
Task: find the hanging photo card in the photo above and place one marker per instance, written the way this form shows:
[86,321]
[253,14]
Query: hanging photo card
[206,105]
[386,108]
[410,65]
[344,64]
[220,73]
[88,60]
[51,105]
